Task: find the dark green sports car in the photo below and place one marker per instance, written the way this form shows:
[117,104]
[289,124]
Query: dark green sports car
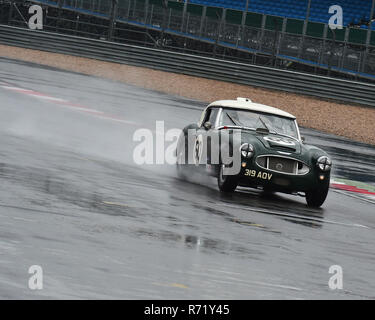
[248,144]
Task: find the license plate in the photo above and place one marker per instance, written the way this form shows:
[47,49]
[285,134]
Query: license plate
[258,174]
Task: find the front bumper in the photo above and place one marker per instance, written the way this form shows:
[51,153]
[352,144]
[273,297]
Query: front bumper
[253,175]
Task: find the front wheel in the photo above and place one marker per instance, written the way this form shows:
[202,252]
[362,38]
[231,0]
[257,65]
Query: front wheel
[315,198]
[226,183]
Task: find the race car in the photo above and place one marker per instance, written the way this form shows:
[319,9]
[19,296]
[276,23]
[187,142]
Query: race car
[263,149]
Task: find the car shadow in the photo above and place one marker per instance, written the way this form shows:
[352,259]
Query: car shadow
[276,204]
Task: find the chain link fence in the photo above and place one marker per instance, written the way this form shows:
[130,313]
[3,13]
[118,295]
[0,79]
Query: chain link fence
[278,44]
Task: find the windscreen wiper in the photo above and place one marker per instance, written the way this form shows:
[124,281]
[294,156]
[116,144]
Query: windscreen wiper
[260,118]
[274,131]
[231,119]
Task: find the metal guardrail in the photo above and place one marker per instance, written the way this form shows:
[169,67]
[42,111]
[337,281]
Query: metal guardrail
[265,77]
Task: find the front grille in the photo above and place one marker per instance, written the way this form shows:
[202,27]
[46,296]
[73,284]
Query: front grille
[282,165]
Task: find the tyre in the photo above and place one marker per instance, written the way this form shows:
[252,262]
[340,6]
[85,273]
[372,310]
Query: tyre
[181,171]
[181,157]
[226,183]
[315,198]
[267,191]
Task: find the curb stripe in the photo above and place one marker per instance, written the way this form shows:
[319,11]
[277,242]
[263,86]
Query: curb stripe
[351,188]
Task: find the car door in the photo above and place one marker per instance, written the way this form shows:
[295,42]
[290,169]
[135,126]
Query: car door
[201,149]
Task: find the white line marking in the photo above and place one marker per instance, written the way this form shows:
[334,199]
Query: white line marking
[68,104]
[353,195]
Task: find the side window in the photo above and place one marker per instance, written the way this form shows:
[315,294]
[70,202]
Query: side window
[211,115]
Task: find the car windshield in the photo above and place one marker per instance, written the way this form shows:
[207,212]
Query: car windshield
[254,120]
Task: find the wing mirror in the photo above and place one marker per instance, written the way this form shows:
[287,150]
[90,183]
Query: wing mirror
[207,125]
[303,139]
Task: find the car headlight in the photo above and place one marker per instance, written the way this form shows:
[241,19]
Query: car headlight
[247,150]
[324,163]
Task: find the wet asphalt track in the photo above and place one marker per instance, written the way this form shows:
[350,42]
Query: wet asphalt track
[73,202]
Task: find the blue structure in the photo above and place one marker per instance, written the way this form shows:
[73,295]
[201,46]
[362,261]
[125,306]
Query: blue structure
[353,10]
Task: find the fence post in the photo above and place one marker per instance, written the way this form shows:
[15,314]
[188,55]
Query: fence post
[10,15]
[344,50]
[359,68]
[275,43]
[128,9]
[282,34]
[304,30]
[112,19]
[77,24]
[146,11]
[323,45]
[58,23]
[169,18]
[243,22]
[184,15]
[331,51]
[264,17]
[368,37]
[203,18]
[163,27]
[151,13]
[222,20]
[134,7]
[187,23]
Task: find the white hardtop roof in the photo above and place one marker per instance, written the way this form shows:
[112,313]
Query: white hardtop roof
[247,104]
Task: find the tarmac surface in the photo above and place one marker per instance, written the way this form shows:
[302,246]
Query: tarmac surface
[73,201]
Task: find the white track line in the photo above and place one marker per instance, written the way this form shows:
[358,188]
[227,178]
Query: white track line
[66,103]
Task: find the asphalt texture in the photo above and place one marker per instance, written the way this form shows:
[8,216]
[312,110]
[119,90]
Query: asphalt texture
[73,201]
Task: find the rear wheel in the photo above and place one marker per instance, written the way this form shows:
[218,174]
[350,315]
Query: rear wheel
[226,183]
[315,198]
